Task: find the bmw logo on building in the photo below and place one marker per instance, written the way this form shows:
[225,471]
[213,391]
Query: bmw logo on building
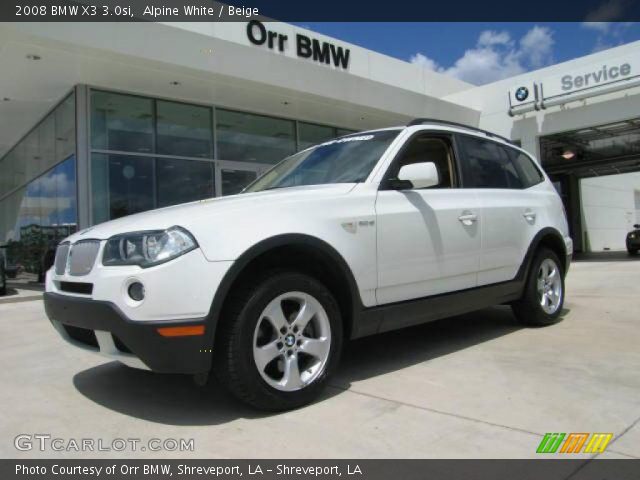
[522,94]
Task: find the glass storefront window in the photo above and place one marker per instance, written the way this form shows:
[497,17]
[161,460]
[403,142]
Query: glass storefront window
[122,185]
[310,134]
[99,188]
[343,131]
[65,117]
[184,130]
[234,180]
[121,122]
[47,143]
[181,181]
[34,219]
[42,210]
[253,138]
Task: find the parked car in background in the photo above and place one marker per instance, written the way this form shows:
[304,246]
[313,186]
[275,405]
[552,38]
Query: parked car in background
[633,240]
[3,273]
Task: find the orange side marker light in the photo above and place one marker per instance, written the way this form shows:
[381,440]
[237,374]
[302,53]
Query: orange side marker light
[187,331]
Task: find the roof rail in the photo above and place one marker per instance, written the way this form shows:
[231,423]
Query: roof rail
[420,121]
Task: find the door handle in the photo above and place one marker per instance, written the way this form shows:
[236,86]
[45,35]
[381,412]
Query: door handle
[467,218]
[529,216]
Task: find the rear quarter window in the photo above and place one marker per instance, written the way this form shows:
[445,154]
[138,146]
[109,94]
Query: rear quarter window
[529,171]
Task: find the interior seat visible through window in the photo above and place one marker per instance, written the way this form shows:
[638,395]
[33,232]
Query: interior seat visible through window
[428,149]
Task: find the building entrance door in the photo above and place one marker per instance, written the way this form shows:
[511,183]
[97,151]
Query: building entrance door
[232,177]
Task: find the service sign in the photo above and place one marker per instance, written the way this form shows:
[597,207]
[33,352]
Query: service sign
[522,94]
[613,70]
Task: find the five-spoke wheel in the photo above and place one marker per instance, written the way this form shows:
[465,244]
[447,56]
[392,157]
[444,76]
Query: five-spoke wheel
[279,341]
[292,340]
[549,286]
[543,295]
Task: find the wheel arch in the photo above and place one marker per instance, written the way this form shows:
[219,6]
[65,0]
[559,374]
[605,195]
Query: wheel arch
[321,261]
[550,238]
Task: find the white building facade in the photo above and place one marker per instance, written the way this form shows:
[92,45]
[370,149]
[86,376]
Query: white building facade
[101,120]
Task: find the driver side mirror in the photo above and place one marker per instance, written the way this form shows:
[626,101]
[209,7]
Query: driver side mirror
[637,226]
[421,175]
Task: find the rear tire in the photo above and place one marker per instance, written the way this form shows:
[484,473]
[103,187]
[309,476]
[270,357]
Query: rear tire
[543,296]
[279,341]
[632,251]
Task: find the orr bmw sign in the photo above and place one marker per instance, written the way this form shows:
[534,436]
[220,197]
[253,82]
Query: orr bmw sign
[617,73]
[305,47]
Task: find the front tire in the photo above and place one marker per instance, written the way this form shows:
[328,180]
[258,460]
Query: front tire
[279,342]
[632,251]
[543,296]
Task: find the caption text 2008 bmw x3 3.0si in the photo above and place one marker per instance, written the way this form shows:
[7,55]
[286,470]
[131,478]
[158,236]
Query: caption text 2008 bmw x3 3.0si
[363,234]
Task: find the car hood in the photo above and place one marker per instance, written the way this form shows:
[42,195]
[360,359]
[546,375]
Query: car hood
[192,215]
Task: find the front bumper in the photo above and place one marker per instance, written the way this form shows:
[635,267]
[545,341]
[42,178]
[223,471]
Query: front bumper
[102,327]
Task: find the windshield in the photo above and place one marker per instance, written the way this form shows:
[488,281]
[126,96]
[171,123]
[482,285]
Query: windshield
[347,159]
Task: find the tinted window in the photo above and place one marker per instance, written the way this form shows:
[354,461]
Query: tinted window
[529,172]
[182,181]
[121,122]
[343,131]
[310,134]
[486,164]
[427,148]
[130,185]
[233,181]
[184,130]
[253,138]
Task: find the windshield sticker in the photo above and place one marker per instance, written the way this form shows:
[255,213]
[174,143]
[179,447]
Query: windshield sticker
[359,138]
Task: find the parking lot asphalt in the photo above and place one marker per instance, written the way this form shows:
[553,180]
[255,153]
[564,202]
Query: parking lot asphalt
[474,386]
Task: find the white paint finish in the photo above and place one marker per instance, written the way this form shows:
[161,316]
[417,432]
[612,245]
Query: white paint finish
[180,289]
[509,221]
[226,227]
[423,247]
[506,234]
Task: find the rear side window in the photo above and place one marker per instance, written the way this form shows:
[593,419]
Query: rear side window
[529,172]
[486,164]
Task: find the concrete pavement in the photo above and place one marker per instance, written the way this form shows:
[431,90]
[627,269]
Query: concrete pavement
[475,386]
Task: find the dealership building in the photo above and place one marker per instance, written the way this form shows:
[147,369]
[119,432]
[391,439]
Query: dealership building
[102,120]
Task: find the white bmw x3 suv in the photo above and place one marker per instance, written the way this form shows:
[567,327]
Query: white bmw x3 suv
[366,233]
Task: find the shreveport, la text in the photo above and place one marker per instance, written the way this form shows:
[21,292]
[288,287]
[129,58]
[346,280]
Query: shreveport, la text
[166,470]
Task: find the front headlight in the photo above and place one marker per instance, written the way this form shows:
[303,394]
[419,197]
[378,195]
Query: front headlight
[149,248]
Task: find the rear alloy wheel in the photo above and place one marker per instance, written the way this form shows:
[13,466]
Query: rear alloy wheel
[279,342]
[543,296]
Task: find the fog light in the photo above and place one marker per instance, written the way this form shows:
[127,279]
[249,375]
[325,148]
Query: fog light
[136,291]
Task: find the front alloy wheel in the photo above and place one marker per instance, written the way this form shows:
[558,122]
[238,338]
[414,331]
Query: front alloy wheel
[291,342]
[279,341]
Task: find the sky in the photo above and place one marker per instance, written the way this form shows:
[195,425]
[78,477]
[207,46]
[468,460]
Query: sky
[483,52]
